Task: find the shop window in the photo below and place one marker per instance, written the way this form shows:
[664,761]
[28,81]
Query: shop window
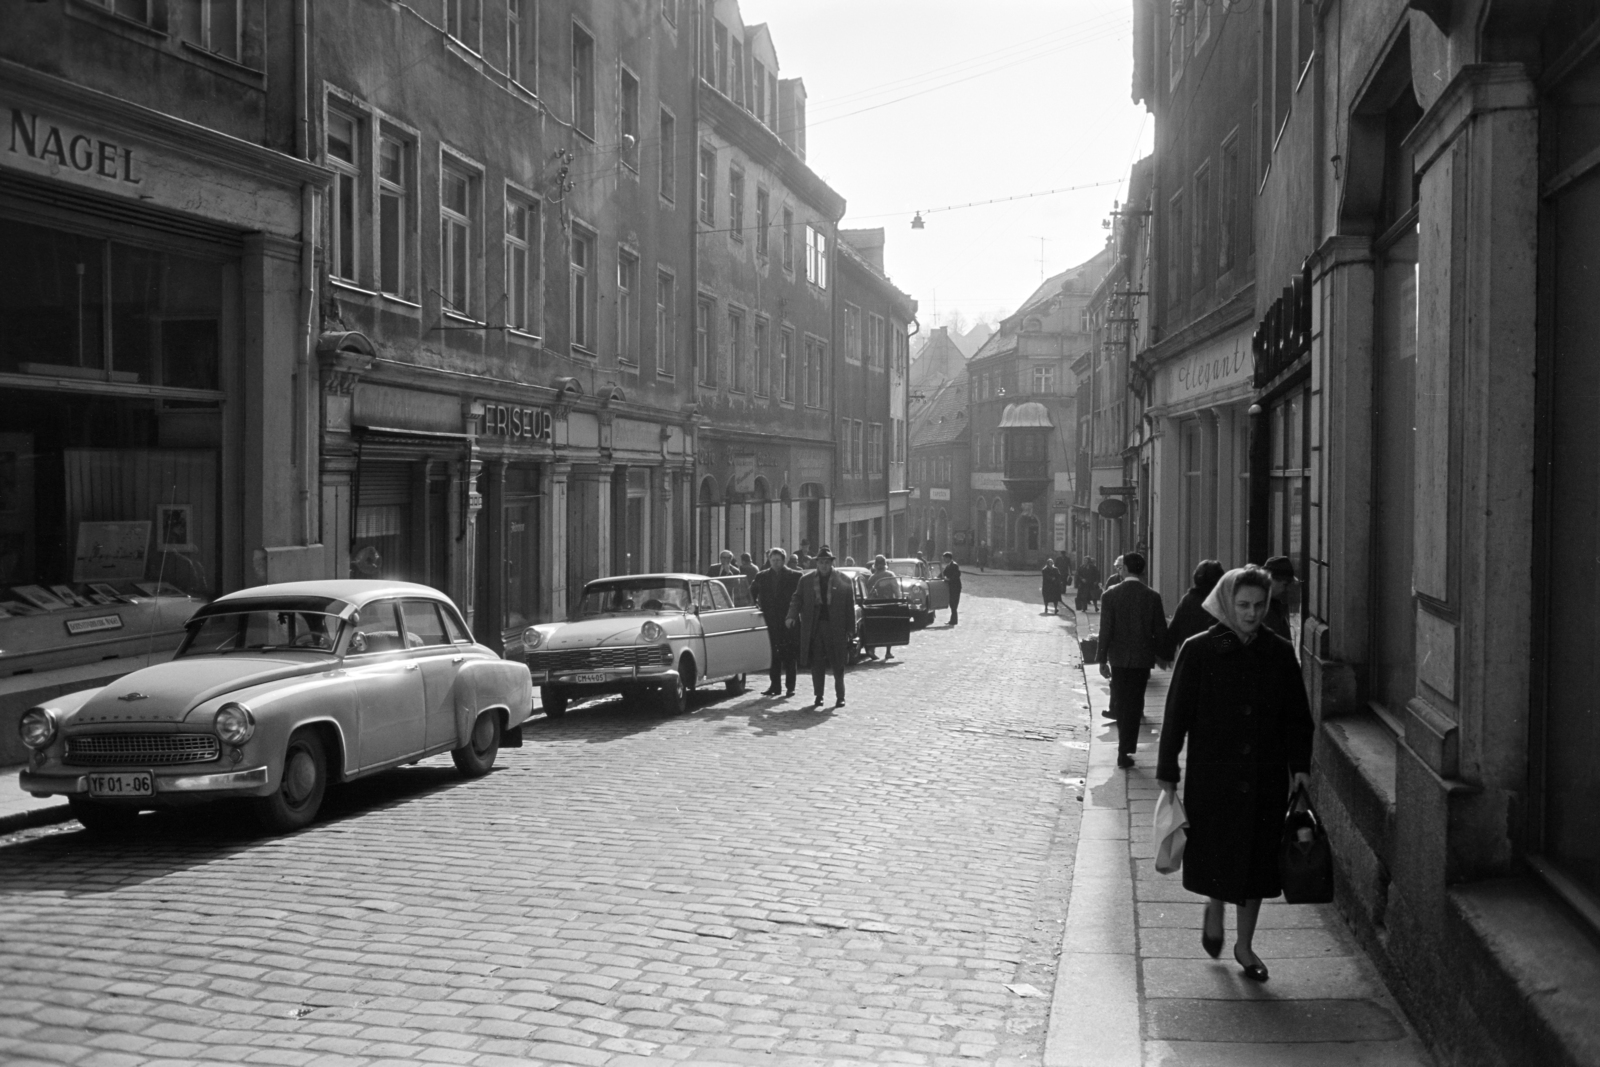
[522,265]
[382,542]
[629,94]
[583,102]
[213,25]
[345,140]
[666,325]
[456,253]
[394,215]
[581,288]
[627,307]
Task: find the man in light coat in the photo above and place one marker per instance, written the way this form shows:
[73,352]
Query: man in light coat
[824,612]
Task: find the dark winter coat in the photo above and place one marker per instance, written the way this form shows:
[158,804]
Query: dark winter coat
[1133,626]
[774,590]
[1051,585]
[1277,619]
[840,627]
[1242,709]
[1191,618]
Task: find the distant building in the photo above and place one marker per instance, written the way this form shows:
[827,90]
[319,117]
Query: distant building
[939,360]
[1023,448]
[941,464]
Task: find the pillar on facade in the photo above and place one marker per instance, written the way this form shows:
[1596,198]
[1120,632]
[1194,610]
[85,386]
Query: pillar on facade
[1209,489]
[554,535]
[602,477]
[490,620]
[661,544]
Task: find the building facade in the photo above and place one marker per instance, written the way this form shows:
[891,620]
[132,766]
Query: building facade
[1022,413]
[870,367]
[154,349]
[941,473]
[765,261]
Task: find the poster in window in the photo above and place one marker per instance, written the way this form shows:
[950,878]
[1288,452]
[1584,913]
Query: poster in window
[173,525]
[108,551]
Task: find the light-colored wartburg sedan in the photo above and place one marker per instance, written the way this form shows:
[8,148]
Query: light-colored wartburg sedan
[648,633]
[276,691]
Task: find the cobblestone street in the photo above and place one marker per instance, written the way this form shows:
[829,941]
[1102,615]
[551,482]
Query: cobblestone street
[752,882]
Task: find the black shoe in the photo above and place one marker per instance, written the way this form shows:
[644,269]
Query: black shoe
[774,691]
[839,703]
[789,693]
[816,701]
[1212,945]
[1256,972]
[1124,761]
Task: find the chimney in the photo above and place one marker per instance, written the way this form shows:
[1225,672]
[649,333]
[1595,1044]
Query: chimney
[867,242]
[792,114]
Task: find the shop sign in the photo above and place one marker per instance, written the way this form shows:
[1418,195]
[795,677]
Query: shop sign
[1061,531]
[989,481]
[744,472]
[519,424]
[938,494]
[1113,507]
[1213,367]
[1284,334]
[94,625]
[63,147]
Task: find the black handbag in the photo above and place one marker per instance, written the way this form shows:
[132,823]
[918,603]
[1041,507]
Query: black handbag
[1305,859]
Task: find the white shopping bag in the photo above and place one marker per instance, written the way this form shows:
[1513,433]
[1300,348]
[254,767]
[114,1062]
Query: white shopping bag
[1170,819]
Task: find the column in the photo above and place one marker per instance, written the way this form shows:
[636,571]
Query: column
[491,620]
[1208,485]
[1227,544]
[661,513]
[1166,503]
[554,538]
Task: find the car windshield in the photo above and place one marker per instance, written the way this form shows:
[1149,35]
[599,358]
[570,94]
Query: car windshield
[905,568]
[646,595]
[268,630]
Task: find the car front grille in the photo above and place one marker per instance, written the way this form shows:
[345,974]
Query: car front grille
[152,750]
[598,659]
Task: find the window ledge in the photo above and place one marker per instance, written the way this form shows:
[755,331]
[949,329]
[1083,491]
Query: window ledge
[390,298]
[352,287]
[456,316]
[228,68]
[523,335]
[121,24]
[584,353]
[666,375]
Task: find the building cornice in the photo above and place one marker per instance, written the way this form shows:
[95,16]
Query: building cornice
[1238,308]
[762,145]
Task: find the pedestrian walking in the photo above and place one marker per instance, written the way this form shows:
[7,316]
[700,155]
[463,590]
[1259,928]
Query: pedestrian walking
[747,566]
[952,582]
[1238,701]
[1117,573]
[1050,584]
[823,612]
[1191,616]
[802,557]
[1133,638]
[1088,584]
[983,555]
[1281,570]
[725,566]
[882,585]
[774,588]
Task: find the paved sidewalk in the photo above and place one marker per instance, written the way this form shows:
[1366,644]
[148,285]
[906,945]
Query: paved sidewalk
[19,811]
[1136,989]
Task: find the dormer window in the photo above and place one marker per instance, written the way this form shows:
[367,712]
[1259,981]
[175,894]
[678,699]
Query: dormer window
[1032,325]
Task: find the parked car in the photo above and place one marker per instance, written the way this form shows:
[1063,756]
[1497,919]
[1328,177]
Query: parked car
[925,590]
[658,635]
[883,611]
[275,692]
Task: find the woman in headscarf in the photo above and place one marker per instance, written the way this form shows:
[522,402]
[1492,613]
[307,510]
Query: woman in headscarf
[1192,617]
[1237,698]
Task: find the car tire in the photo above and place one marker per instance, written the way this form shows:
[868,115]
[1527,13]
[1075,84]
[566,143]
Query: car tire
[735,685]
[301,787]
[673,697]
[553,700]
[103,820]
[476,758]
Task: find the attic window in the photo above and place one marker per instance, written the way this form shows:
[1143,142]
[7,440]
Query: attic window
[1032,326]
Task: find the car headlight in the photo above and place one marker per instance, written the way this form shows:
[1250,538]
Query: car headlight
[532,638]
[38,727]
[235,724]
[651,632]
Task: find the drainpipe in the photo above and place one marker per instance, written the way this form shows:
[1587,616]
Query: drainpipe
[692,527]
[306,432]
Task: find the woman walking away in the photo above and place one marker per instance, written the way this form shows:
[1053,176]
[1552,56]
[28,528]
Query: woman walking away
[1237,698]
[1192,617]
[1050,586]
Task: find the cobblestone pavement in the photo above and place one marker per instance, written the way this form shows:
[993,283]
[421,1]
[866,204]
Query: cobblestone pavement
[750,883]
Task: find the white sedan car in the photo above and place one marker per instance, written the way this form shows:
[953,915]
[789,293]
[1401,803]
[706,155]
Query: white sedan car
[661,634]
[275,691]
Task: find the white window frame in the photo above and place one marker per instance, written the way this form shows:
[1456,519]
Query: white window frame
[628,127]
[627,307]
[585,93]
[761,348]
[531,321]
[345,221]
[399,191]
[667,176]
[454,225]
[816,256]
[666,323]
[581,284]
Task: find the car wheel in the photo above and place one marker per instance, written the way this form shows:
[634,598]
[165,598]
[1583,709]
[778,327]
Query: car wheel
[475,758]
[674,697]
[103,820]
[554,701]
[735,685]
[301,788]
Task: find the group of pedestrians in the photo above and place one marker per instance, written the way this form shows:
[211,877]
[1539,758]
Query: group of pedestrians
[1236,700]
[810,614]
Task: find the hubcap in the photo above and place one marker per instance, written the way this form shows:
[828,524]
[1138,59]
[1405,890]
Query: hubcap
[483,734]
[299,777]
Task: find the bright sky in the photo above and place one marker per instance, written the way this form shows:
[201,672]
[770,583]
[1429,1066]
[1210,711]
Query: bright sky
[1001,98]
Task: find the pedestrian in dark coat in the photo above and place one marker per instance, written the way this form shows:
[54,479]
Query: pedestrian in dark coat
[1281,570]
[1192,617]
[952,582]
[1237,699]
[1050,585]
[774,589]
[1133,639]
[747,566]
[823,613]
[1088,584]
[726,567]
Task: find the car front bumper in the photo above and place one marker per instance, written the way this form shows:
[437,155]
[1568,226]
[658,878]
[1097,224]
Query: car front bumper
[251,780]
[654,676]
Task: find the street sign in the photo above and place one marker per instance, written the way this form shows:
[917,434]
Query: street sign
[1113,508]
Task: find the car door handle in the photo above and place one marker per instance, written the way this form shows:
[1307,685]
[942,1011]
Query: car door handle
[411,666]
[458,659]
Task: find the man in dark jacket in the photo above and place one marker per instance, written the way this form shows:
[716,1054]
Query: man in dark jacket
[725,567]
[1133,638]
[823,613]
[774,589]
[952,581]
[1281,570]
[747,566]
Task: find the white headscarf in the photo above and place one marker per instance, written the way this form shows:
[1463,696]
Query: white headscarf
[1220,603]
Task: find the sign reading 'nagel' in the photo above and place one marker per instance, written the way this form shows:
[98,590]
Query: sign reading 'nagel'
[65,147]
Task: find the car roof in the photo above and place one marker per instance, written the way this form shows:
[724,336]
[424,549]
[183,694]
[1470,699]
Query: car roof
[343,594]
[675,575]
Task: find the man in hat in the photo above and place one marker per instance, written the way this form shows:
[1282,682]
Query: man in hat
[824,612]
[1281,570]
[774,589]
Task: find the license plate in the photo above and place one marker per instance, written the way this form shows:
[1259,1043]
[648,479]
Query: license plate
[140,784]
[582,678]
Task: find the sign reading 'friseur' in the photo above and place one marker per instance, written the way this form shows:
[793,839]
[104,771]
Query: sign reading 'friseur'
[52,144]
